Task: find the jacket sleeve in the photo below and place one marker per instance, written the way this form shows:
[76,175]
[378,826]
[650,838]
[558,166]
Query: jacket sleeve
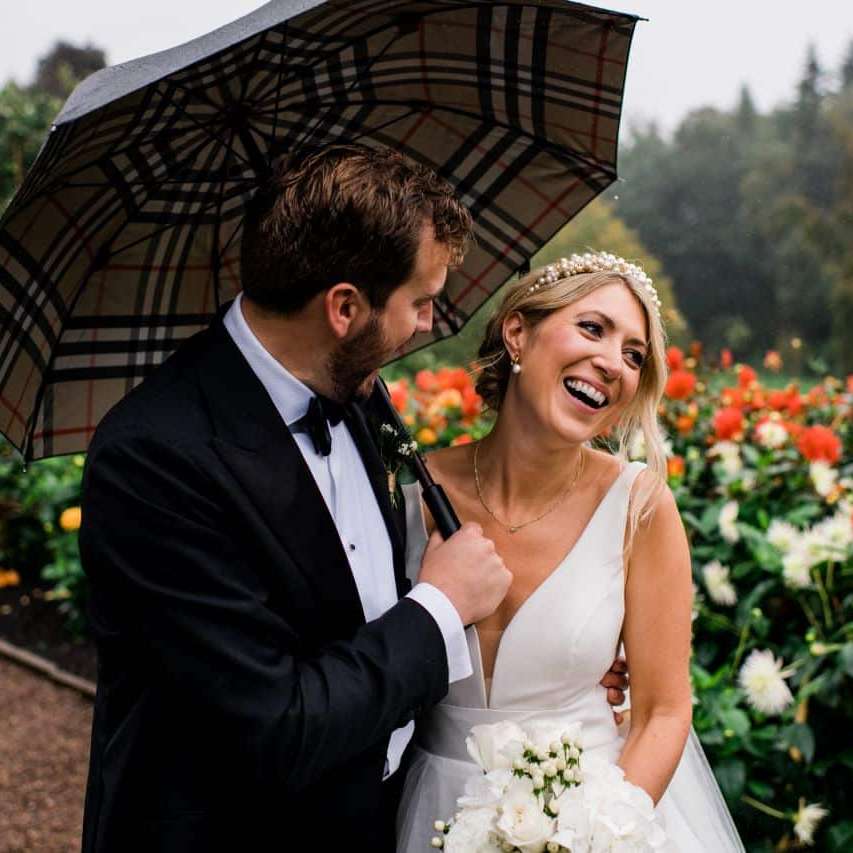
[167,575]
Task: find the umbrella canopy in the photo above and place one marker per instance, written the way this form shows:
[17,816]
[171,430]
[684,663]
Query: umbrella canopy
[124,239]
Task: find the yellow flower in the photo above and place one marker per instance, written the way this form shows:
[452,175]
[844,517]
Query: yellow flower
[426,436]
[9,578]
[70,519]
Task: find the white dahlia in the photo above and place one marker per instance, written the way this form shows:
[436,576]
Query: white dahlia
[720,588]
[763,680]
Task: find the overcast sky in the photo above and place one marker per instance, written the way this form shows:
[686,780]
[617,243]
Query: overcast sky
[688,54]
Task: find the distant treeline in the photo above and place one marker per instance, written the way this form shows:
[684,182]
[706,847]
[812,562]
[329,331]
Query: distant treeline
[751,217]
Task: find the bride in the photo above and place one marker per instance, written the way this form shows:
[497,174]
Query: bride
[596,546]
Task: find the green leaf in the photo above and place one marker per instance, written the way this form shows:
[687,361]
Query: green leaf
[801,736]
[760,790]
[732,777]
[845,656]
[736,720]
[839,838]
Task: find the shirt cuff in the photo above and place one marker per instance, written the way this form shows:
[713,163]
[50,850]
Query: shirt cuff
[438,605]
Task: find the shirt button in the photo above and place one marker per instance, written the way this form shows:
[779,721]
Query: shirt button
[352,546]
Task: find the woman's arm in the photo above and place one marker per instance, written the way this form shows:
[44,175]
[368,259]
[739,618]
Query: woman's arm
[658,606]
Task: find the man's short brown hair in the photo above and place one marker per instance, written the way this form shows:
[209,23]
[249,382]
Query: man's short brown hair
[344,213]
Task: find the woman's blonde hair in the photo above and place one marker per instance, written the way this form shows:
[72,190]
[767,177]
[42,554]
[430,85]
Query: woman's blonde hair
[534,306]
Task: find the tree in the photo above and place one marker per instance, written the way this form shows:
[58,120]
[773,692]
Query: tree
[64,66]
[846,71]
[684,200]
[25,118]
[746,115]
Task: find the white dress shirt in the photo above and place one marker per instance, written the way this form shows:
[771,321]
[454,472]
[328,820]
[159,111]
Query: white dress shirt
[343,482]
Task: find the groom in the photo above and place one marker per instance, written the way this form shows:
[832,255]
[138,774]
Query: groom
[261,654]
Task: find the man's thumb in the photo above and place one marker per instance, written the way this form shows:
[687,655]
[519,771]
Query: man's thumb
[434,541]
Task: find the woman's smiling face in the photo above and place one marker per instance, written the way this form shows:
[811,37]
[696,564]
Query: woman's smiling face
[581,365]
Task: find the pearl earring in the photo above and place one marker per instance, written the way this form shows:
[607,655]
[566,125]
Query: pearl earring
[516,366]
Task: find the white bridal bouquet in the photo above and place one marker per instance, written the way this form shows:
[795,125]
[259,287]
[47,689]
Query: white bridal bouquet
[538,793]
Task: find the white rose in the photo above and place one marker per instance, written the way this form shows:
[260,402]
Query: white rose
[495,746]
[608,813]
[485,790]
[473,832]
[542,733]
[522,821]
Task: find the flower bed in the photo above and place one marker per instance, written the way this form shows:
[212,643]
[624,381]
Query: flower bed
[764,481]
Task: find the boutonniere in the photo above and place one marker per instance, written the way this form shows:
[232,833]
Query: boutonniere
[396,447]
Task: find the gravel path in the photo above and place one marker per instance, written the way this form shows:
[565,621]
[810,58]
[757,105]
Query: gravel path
[44,756]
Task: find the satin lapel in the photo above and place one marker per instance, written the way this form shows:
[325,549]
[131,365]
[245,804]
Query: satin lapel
[259,450]
[378,476]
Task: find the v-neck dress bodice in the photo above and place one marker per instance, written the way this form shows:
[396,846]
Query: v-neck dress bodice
[559,643]
[551,657]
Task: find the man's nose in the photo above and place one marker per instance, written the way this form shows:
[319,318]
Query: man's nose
[425,319]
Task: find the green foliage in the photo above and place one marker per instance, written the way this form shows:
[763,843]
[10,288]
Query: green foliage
[25,118]
[38,535]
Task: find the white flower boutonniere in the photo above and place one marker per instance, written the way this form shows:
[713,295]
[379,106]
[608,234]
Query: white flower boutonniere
[396,449]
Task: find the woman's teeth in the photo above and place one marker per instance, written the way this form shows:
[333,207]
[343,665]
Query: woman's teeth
[585,393]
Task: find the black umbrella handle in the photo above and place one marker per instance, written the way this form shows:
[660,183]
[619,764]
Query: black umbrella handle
[442,510]
[434,495]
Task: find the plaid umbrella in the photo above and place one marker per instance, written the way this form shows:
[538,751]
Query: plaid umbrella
[124,239]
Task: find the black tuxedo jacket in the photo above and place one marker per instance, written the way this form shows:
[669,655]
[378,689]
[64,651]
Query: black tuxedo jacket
[243,704]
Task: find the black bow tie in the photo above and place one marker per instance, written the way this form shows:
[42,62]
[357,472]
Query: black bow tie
[321,413]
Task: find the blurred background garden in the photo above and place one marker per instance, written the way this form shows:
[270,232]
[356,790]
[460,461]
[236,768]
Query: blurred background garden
[743,216]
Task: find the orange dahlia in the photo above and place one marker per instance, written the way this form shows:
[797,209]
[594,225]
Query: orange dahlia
[675,358]
[680,384]
[819,444]
[675,466]
[425,381]
[399,392]
[746,376]
[728,423]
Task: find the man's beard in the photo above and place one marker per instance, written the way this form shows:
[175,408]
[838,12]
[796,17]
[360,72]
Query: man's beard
[353,362]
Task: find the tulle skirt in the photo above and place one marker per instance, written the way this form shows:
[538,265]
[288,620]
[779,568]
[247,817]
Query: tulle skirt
[693,811]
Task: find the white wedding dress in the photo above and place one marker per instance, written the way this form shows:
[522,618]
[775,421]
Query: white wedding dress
[551,657]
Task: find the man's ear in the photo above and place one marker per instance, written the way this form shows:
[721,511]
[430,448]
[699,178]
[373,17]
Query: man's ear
[344,305]
[515,334]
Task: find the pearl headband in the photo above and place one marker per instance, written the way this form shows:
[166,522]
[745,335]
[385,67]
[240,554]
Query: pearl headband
[595,262]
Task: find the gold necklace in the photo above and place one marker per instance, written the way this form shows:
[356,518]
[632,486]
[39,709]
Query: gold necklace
[513,528]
